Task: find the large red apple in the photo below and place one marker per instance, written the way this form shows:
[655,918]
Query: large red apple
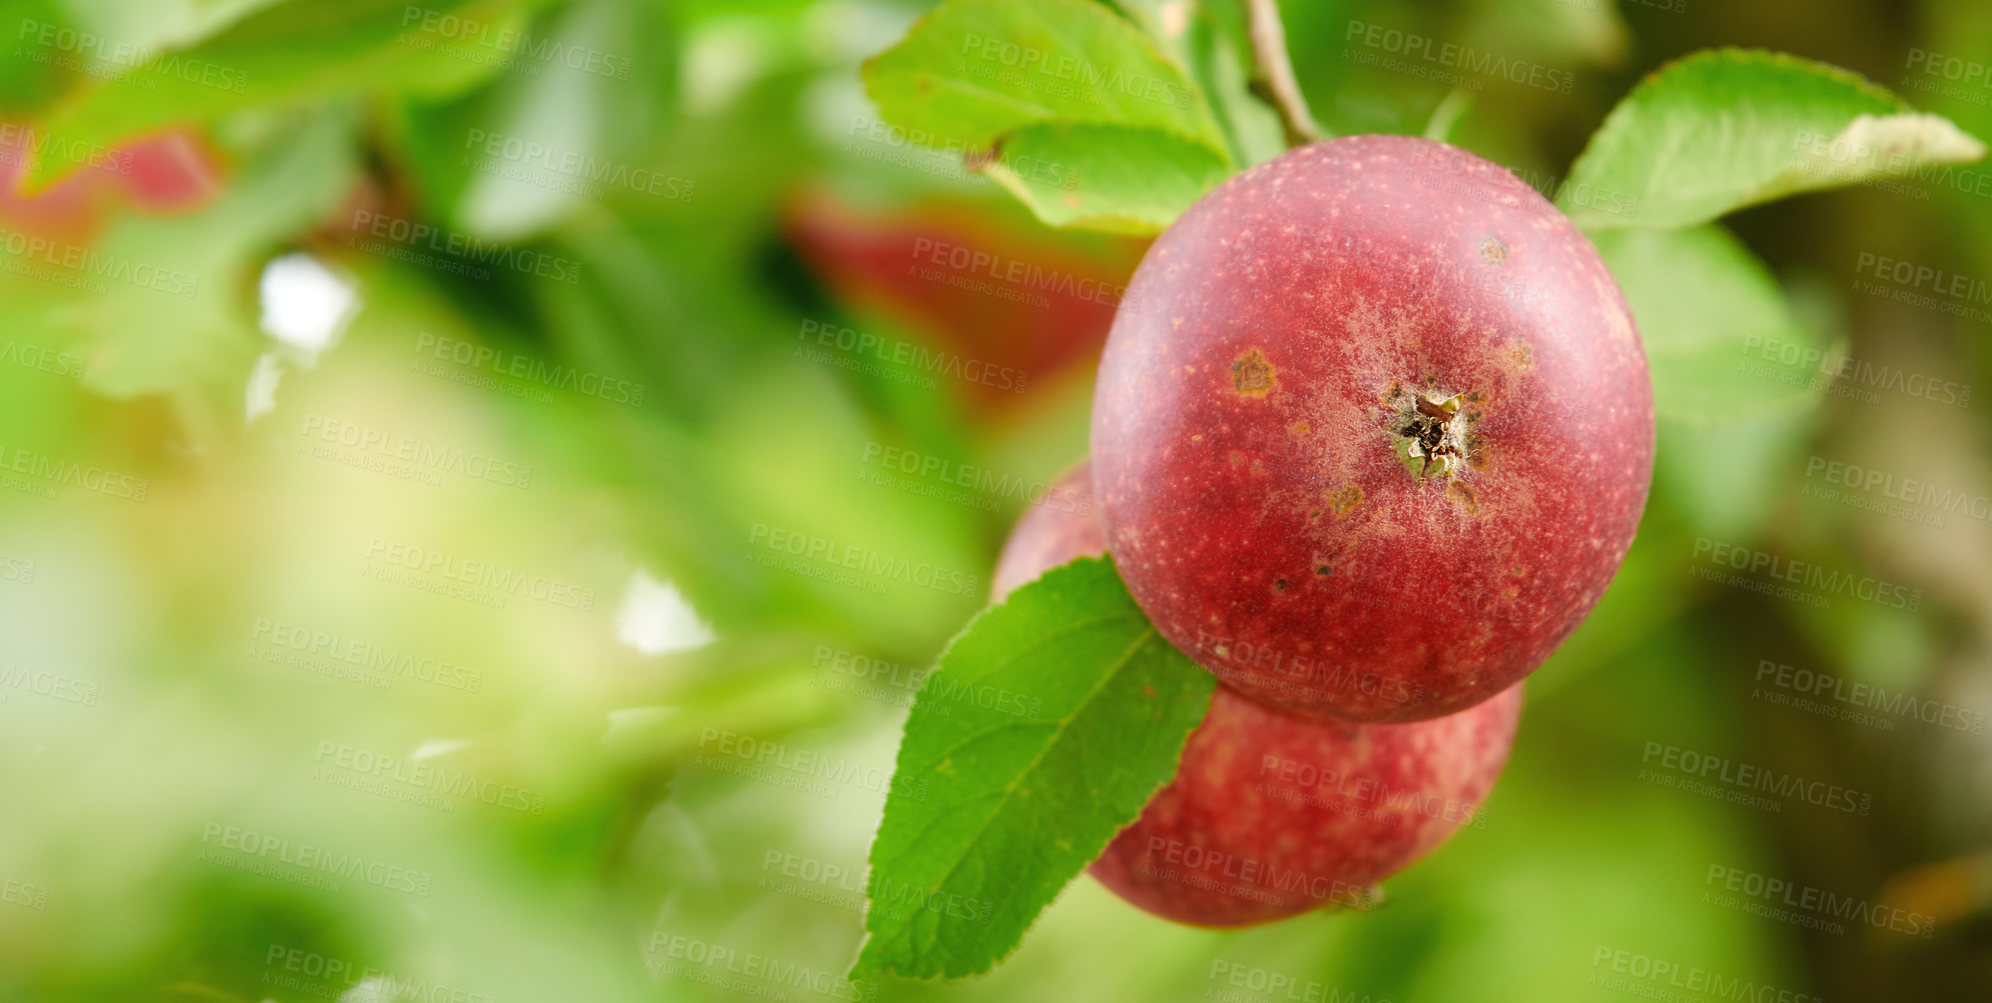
[1272,814]
[1373,430]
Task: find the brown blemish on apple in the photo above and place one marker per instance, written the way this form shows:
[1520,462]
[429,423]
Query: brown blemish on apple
[1465,496]
[1344,501]
[1251,374]
[1522,355]
[1493,251]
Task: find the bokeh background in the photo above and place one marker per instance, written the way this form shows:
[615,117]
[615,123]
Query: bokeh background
[407,412]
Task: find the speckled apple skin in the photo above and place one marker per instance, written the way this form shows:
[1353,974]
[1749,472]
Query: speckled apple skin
[1242,430]
[1272,814]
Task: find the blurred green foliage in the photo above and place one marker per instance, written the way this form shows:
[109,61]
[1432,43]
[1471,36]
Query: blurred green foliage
[171,526]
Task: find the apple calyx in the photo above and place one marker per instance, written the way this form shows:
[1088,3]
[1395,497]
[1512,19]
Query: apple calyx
[1429,436]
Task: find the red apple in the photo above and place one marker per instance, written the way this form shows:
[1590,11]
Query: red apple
[1048,536]
[1373,430]
[1272,814]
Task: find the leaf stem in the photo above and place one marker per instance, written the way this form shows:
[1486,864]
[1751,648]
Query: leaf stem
[1272,73]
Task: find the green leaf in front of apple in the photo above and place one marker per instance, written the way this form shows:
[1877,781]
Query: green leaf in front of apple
[1050,721]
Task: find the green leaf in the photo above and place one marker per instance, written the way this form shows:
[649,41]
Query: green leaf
[1106,177]
[972,70]
[1729,128]
[285,53]
[1720,339]
[1050,722]
[1019,82]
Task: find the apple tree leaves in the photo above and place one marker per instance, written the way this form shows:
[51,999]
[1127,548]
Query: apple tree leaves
[1051,720]
[1729,128]
[1064,102]
[1712,133]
